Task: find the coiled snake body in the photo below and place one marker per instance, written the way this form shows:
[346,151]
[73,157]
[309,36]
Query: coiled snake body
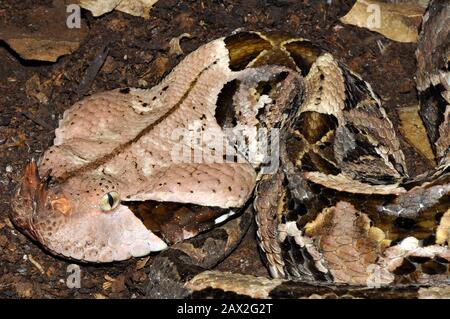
[339,214]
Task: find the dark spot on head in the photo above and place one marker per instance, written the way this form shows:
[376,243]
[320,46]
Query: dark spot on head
[125,90]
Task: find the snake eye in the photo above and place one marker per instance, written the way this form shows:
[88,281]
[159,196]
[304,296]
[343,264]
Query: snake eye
[110,201]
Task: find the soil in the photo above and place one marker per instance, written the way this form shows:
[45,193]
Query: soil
[139,56]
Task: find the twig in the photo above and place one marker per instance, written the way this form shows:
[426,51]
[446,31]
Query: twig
[92,70]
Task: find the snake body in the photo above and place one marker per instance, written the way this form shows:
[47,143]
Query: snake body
[338,213]
[338,219]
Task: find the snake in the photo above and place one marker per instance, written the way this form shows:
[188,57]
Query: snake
[134,171]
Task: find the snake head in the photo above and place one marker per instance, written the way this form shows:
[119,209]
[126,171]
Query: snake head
[78,225]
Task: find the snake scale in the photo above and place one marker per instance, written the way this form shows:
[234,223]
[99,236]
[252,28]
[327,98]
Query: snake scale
[337,210]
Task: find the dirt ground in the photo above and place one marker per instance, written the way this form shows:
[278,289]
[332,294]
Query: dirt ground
[139,57]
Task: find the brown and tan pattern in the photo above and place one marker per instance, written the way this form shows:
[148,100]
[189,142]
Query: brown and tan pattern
[341,212]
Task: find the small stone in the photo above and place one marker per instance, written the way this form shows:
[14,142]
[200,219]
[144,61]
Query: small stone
[409,243]
[9,169]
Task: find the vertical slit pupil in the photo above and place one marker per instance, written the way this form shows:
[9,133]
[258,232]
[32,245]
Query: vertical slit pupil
[110,200]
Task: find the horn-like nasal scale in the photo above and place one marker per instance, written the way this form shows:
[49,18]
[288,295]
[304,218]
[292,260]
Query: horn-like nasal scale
[24,201]
[31,180]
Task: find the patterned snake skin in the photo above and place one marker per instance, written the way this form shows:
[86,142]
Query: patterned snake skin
[340,216]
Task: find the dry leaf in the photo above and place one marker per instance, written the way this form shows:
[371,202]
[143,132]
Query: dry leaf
[396,21]
[174,44]
[140,8]
[142,262]
[412,128]
[48,39]
[34,88]
[106,285]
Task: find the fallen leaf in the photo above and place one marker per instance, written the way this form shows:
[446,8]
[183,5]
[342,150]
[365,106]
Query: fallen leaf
[140,8]
[44,35]
[34,88]
[158,67]
[396,21]
[106,285]
[174,44]
[142,262]
[412,128]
